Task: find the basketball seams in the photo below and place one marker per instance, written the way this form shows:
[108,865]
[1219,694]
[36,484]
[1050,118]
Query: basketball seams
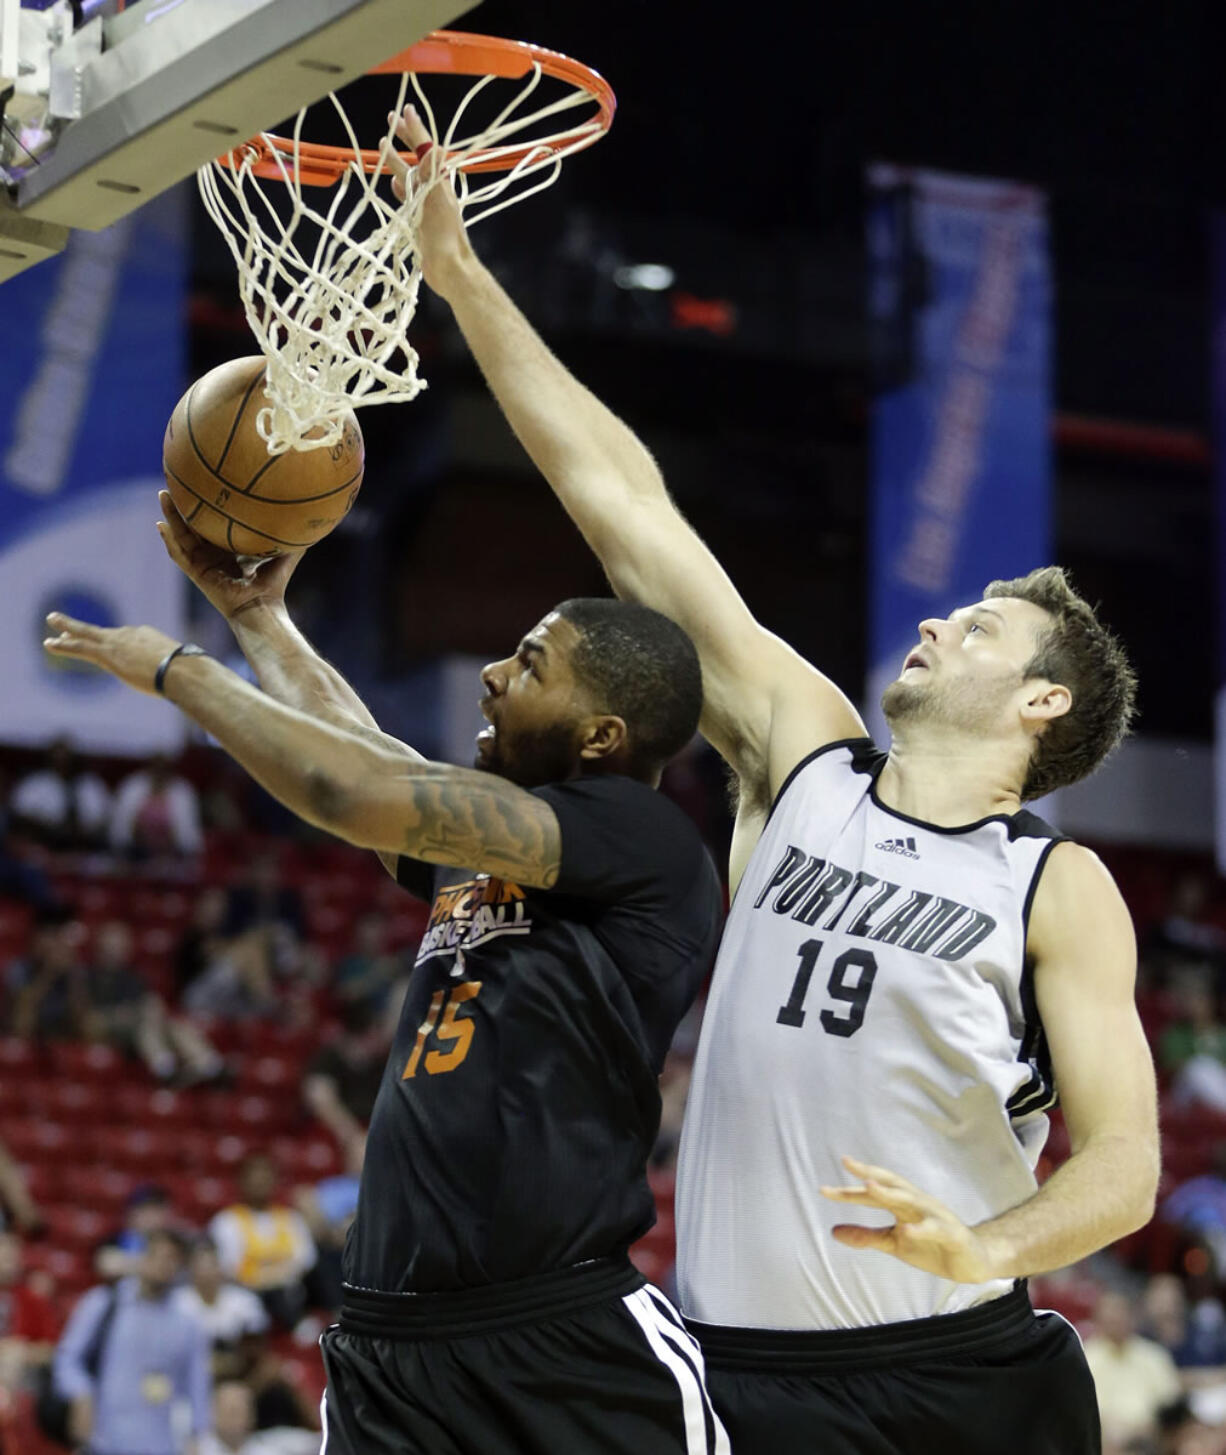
[255,479]
[238,415]
[217,510]
[243,525]
[199,453]
[304,499]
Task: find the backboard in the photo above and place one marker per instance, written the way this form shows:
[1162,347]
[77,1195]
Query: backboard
[142,94]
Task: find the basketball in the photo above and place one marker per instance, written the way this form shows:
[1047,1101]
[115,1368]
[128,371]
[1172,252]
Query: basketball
[227,486]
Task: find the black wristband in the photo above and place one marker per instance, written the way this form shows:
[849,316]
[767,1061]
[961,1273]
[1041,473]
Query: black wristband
[184,649]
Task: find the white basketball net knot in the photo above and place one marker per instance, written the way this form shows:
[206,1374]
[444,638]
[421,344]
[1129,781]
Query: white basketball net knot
[334,324]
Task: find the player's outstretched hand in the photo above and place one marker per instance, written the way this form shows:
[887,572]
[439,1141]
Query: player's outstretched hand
[442,242]
[232,585]
[131,653]
[925,1233]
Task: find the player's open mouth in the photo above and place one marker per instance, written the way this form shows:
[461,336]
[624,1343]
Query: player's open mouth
[914,660]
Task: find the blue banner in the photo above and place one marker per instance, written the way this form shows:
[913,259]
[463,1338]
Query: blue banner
[94,359]
[960,302]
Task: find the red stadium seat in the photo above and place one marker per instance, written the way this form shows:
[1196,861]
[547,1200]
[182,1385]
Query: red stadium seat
[273,1074]
[211,1194]
[71,1102]
[305,1159]
[144,1151]
[17,1057]
[230,1150]
[156,1106]
[72,1268]
[44,1181]
[13,1097]
[77,1227]
[97,899]
[196,1150]
[101,1187]
[73,1062]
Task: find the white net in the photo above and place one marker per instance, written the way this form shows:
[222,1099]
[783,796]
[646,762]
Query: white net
[332,315]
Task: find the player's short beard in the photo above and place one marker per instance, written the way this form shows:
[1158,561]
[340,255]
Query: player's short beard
[962,704]
[532,759]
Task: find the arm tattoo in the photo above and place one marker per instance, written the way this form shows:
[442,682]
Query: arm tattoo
[391,862]
[474,820]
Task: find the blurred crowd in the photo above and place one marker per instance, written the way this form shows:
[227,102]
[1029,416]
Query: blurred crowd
[204,1310]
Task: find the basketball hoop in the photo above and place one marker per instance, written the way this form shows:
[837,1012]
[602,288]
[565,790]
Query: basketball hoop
[332,318]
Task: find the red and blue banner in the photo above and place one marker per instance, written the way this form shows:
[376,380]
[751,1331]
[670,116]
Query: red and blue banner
[94,359]
[960,306]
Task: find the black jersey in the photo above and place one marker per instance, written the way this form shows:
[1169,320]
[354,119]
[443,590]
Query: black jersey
[520,1101]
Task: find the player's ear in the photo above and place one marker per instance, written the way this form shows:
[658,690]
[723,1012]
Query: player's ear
[602,737]
[1044,701]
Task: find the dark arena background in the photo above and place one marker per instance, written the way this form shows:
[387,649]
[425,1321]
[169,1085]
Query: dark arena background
[751,269]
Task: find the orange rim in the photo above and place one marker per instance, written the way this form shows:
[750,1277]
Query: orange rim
[442,52]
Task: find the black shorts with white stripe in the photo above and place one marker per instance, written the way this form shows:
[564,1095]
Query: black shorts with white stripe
[997,1379]
[584,1359]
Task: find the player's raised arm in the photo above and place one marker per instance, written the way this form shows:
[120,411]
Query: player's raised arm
[287,666]
[613,490]
[348,785]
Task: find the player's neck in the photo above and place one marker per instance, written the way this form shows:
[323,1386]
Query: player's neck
[946,781]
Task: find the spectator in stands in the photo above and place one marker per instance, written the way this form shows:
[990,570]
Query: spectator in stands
[239,981]
[329,1207]
[366,975]
[123,1012]
[1181,1432]
[202,944]
[17,1207]
[260,898]
[62,804]
[343,1079]
[47,988]
[19,878]
[234,1423]
[236,1323]
[1192,1050]
[1194,1336]
[147,1213]
[266,918]
[265,1245]
[28,1325]
[232,1316]
[1197,1208]
[1186,936]
[154,1356]
[157,814]
[1135,1378]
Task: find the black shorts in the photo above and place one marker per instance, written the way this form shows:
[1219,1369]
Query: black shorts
[995,1380]
[584,1359]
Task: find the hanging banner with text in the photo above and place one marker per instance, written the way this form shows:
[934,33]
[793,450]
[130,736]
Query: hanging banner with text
[960,304]
[93,362]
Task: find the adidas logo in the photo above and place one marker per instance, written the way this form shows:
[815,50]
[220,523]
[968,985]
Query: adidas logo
[905,847]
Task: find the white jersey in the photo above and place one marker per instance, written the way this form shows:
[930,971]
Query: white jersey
[871,998]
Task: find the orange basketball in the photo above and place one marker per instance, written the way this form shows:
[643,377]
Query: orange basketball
[227,486]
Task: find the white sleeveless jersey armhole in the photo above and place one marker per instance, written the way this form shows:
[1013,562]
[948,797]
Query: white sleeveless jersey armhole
[871,997]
